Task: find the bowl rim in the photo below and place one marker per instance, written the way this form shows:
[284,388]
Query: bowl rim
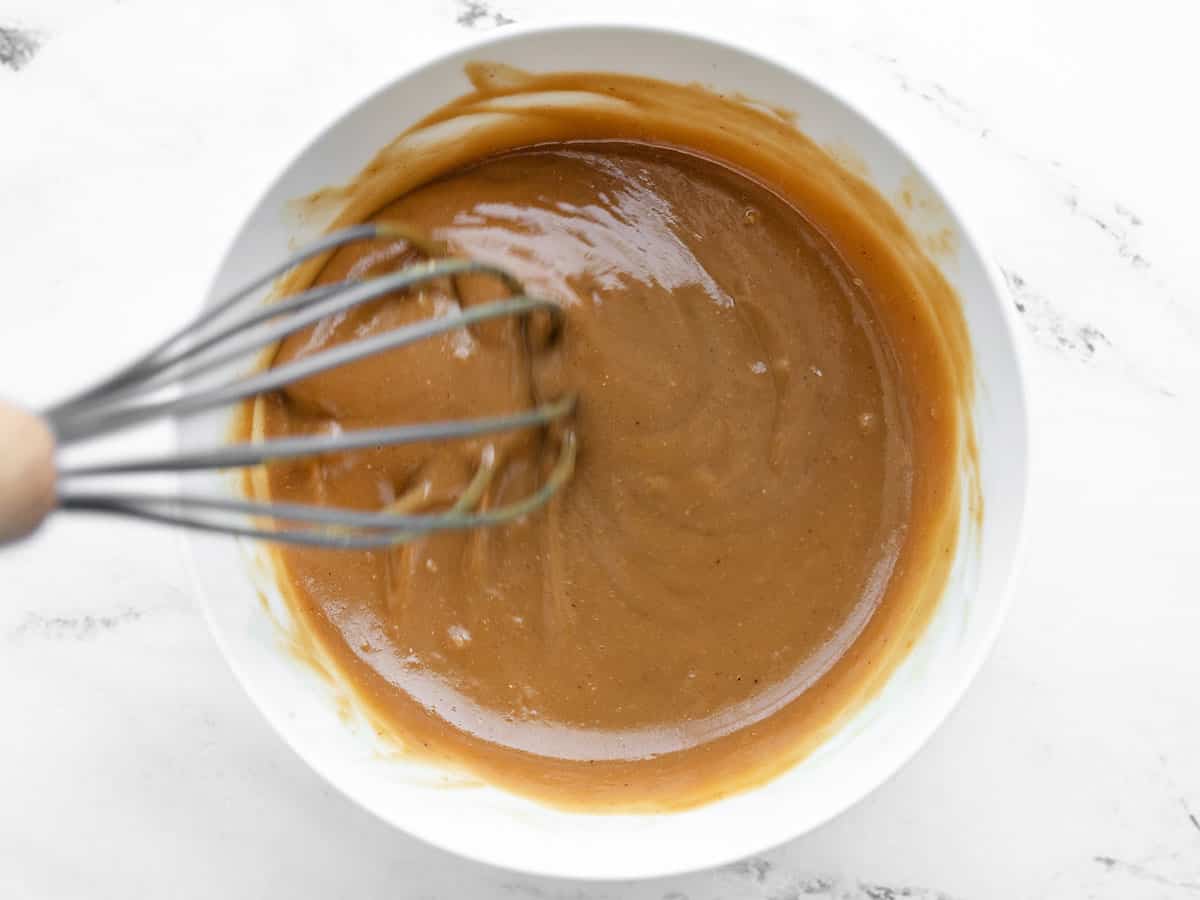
[1021,447]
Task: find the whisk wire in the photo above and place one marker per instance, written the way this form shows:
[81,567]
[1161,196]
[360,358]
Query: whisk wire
[295,313]
[105,419]
[236,456]
[133,370]
[336,528]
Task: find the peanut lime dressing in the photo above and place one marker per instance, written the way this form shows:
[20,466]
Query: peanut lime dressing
[773,383]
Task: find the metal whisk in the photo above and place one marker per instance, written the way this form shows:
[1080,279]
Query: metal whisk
[33,484]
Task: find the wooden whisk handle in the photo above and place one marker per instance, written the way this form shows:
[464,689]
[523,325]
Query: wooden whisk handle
[27,474]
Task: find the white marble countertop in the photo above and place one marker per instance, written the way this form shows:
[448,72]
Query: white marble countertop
[132,765]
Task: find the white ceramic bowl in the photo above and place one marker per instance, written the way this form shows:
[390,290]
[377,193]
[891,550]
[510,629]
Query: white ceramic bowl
[490,825]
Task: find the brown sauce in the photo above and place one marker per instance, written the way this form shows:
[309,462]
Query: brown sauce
[771,431]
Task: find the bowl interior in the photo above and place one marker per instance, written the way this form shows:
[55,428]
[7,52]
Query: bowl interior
[499,828]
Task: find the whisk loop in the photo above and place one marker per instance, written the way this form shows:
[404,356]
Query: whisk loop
[224,333]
